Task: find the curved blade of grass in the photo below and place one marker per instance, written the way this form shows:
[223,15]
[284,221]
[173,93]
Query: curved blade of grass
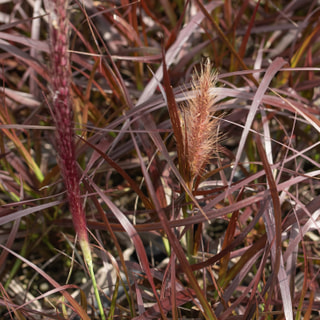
[278,267]
[25,212]
[134,236]
[82,313]
[275,66]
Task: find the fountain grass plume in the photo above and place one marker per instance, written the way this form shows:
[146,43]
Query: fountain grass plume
[63,117]
[200,130]
[200,138]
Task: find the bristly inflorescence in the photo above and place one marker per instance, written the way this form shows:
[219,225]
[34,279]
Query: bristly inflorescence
[63,116]
[62,110]
[200,125]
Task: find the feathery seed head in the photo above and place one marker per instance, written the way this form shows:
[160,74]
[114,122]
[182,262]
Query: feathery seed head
[200,129]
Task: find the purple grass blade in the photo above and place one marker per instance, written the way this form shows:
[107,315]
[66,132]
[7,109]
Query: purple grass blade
[275,66]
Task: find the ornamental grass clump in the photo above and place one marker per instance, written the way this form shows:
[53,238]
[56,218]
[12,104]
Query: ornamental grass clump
[63,117]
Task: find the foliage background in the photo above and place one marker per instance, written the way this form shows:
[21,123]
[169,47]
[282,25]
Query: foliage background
[258,258]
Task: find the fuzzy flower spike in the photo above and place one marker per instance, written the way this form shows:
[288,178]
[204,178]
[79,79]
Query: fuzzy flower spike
[199,128]
[200,137]
[63,117]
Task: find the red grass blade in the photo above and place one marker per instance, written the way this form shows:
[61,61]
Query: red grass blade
[278,267]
